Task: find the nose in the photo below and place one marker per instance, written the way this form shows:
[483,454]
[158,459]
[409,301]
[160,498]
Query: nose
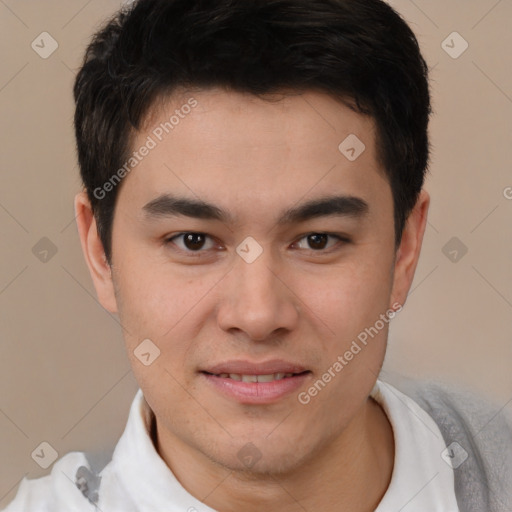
[257,300]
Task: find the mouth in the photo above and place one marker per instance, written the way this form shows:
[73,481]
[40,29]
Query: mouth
[256,383]
[270,377]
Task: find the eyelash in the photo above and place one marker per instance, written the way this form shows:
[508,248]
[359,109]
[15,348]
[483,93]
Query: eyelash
[341,239]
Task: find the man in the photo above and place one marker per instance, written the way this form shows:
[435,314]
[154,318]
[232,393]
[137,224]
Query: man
[253,210]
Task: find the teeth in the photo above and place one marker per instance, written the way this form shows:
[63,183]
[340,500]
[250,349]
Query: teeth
[265,378]
[256,378]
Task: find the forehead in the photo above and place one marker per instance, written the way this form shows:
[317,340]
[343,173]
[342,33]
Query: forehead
[236,149]
[307,123]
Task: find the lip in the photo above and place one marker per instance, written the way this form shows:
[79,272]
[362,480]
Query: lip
[253,368]
[256,392]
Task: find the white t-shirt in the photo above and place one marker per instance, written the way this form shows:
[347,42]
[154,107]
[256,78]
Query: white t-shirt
[138,480]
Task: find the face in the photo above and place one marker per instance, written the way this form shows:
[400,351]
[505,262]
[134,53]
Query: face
[254,254]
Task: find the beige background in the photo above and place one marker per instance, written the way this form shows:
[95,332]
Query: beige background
[64,376]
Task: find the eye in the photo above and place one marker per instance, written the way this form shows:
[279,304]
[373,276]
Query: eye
[194,243]
[318,241]
[191,241]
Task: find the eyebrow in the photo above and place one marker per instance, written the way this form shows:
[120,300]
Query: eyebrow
[167,205]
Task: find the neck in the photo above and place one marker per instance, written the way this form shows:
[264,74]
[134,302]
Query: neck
[353,472]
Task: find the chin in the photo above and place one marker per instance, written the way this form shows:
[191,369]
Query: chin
[275,465]
[254,457]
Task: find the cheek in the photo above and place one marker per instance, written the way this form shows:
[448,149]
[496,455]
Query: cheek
[150,299]
[159,303]
[349,297]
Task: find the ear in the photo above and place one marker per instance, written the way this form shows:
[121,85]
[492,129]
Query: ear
[408,252]
[94,253]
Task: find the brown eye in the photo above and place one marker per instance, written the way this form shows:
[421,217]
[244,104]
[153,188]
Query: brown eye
[320,241]
[317,240]
[191,242]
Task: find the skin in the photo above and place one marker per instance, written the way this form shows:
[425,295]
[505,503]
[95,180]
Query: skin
[254,159]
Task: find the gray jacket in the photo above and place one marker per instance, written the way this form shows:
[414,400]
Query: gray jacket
[483,483]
